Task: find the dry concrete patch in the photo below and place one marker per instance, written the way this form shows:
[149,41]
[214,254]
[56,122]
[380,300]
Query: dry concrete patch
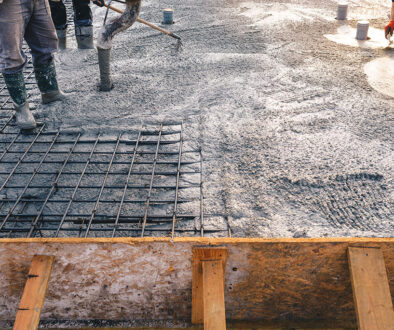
[380,73]
[367,9]
[346,35]
[274,14]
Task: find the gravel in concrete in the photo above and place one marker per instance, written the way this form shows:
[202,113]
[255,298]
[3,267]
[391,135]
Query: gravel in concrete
[296,143]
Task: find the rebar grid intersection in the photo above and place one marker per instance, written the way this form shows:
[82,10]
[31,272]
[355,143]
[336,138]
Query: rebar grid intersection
[137,183]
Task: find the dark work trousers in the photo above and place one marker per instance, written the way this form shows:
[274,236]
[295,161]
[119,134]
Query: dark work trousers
[82,13]
[29,20]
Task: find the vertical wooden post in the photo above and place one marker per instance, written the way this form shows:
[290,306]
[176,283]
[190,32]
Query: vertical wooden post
[371,291]
[208,287]
[213,295]
[33,296]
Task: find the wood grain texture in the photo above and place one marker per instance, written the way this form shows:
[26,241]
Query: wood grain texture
[213,295]
[201,253]
[28,315]
[289,280]
[371,289]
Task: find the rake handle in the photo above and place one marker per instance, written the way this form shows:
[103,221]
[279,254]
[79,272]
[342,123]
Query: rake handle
[148,24]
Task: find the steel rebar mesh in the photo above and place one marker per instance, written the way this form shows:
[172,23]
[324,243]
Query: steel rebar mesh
[138,183]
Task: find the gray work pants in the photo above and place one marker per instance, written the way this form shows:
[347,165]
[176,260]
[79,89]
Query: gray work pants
[30,20]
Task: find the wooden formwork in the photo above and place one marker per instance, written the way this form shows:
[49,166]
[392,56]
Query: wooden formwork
[253,280]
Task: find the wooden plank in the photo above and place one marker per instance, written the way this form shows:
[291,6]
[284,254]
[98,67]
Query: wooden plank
[200,254]
[371,289]
[200,240]
[28,315]
[275,280]
[213,292]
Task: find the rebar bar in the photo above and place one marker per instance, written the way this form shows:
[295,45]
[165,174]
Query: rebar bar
[102,187]
[151,182]
[177,188]
[52,188]
[126,185]
[21,159]
[35,170]
[77,186]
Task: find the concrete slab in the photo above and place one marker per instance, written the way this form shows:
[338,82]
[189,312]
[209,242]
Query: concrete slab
[295,140]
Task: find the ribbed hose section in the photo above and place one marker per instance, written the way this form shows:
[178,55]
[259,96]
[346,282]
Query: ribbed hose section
[118,24]
[105,36]
[104,58]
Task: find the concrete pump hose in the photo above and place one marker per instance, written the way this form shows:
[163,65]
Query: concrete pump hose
[119,24]
[106,34]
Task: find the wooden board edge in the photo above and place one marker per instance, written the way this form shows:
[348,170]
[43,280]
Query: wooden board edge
[200,240]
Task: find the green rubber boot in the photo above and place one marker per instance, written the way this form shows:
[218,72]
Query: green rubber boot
[47,83]
[16,87]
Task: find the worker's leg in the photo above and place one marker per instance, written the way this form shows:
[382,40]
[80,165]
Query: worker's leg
[59,14]
[13,17]
[41,36]
[83,24]
[59,18]
[40,33]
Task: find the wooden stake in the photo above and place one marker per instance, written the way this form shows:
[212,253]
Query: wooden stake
[208,287]
[371,289]
[213,295]
[33,296]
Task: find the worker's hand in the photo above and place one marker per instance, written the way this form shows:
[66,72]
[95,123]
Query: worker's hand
[389,30]
[100,3]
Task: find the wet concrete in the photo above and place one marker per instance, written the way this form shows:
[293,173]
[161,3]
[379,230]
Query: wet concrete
[380,73]
[346,36]
[296,142]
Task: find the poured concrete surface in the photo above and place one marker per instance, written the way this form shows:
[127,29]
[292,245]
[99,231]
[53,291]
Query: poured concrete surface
[295,140]
[380,73]
[270,280]
[346,35]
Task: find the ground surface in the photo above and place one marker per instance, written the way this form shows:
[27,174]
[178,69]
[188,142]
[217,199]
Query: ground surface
[295,141]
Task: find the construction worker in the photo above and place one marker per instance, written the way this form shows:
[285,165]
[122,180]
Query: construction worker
[82,23]
[389,30]
[29,20]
